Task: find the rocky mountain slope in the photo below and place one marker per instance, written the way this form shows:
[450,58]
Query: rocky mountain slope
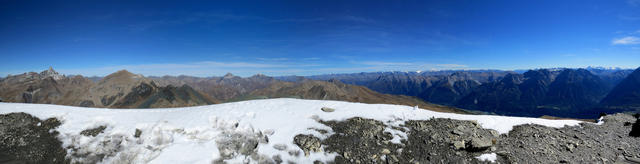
[231,88]
[336,90]
[223,88]
[304,131]
[566,93]
[557,92]
[626,95]
[118,90]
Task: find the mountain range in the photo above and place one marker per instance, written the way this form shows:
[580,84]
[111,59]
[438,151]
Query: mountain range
[124,89]
[563,92]
[118,90]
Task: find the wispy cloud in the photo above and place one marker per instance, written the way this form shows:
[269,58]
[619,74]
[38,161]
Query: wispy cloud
[273,59]
[629,17]
[205,68]
[628,40]
[410,66]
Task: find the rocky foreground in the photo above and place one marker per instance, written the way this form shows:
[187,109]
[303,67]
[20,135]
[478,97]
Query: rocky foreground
[27,139]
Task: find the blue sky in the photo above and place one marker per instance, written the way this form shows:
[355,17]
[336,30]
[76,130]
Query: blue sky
[314,37]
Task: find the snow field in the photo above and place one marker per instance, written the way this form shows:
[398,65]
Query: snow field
[204,134]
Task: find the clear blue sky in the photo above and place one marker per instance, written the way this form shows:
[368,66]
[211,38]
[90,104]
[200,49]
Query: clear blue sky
[314,37]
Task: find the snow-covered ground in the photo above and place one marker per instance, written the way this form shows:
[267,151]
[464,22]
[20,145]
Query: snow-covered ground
[197,134]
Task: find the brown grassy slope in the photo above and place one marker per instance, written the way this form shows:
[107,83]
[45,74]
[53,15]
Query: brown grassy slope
[335,90]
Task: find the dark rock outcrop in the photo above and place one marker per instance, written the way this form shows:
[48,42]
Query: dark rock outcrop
[27,139]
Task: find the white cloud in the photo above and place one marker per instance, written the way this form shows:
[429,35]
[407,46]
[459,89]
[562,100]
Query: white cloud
[205,68]
[409,66]
[273,59]
[629,40]
[378,63]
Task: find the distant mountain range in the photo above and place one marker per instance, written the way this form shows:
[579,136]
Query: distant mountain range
[123,89]
[576,93]
[561,92]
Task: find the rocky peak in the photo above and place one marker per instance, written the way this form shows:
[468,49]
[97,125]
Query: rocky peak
[512,79]
[335,81]
[51,73]
[259,76]
[122,74]
[228,75]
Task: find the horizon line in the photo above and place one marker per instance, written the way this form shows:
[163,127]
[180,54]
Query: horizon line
[417,71]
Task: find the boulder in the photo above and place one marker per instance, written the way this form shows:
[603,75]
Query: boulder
[458,145]
[307,143]
[327,109]
[635,129]
[480,144]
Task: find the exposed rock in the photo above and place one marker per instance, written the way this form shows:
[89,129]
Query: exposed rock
[479,144]
[587,143]
[386,151]
[635,129]
[458,145]
[327,109]
[27,139]
[138,133]
[232,144]
[86,103]
[94,131]
[307,143]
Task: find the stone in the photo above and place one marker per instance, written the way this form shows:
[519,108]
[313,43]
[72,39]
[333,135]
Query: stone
[327,109]
[480,144]
[385,151]
[458,145]
[280,147]
[457,132]
[307,143]
[635,129]
[633,159]
[94,131]
[248,146]
[138,133]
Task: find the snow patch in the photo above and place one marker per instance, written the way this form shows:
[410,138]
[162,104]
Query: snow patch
[488,157]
